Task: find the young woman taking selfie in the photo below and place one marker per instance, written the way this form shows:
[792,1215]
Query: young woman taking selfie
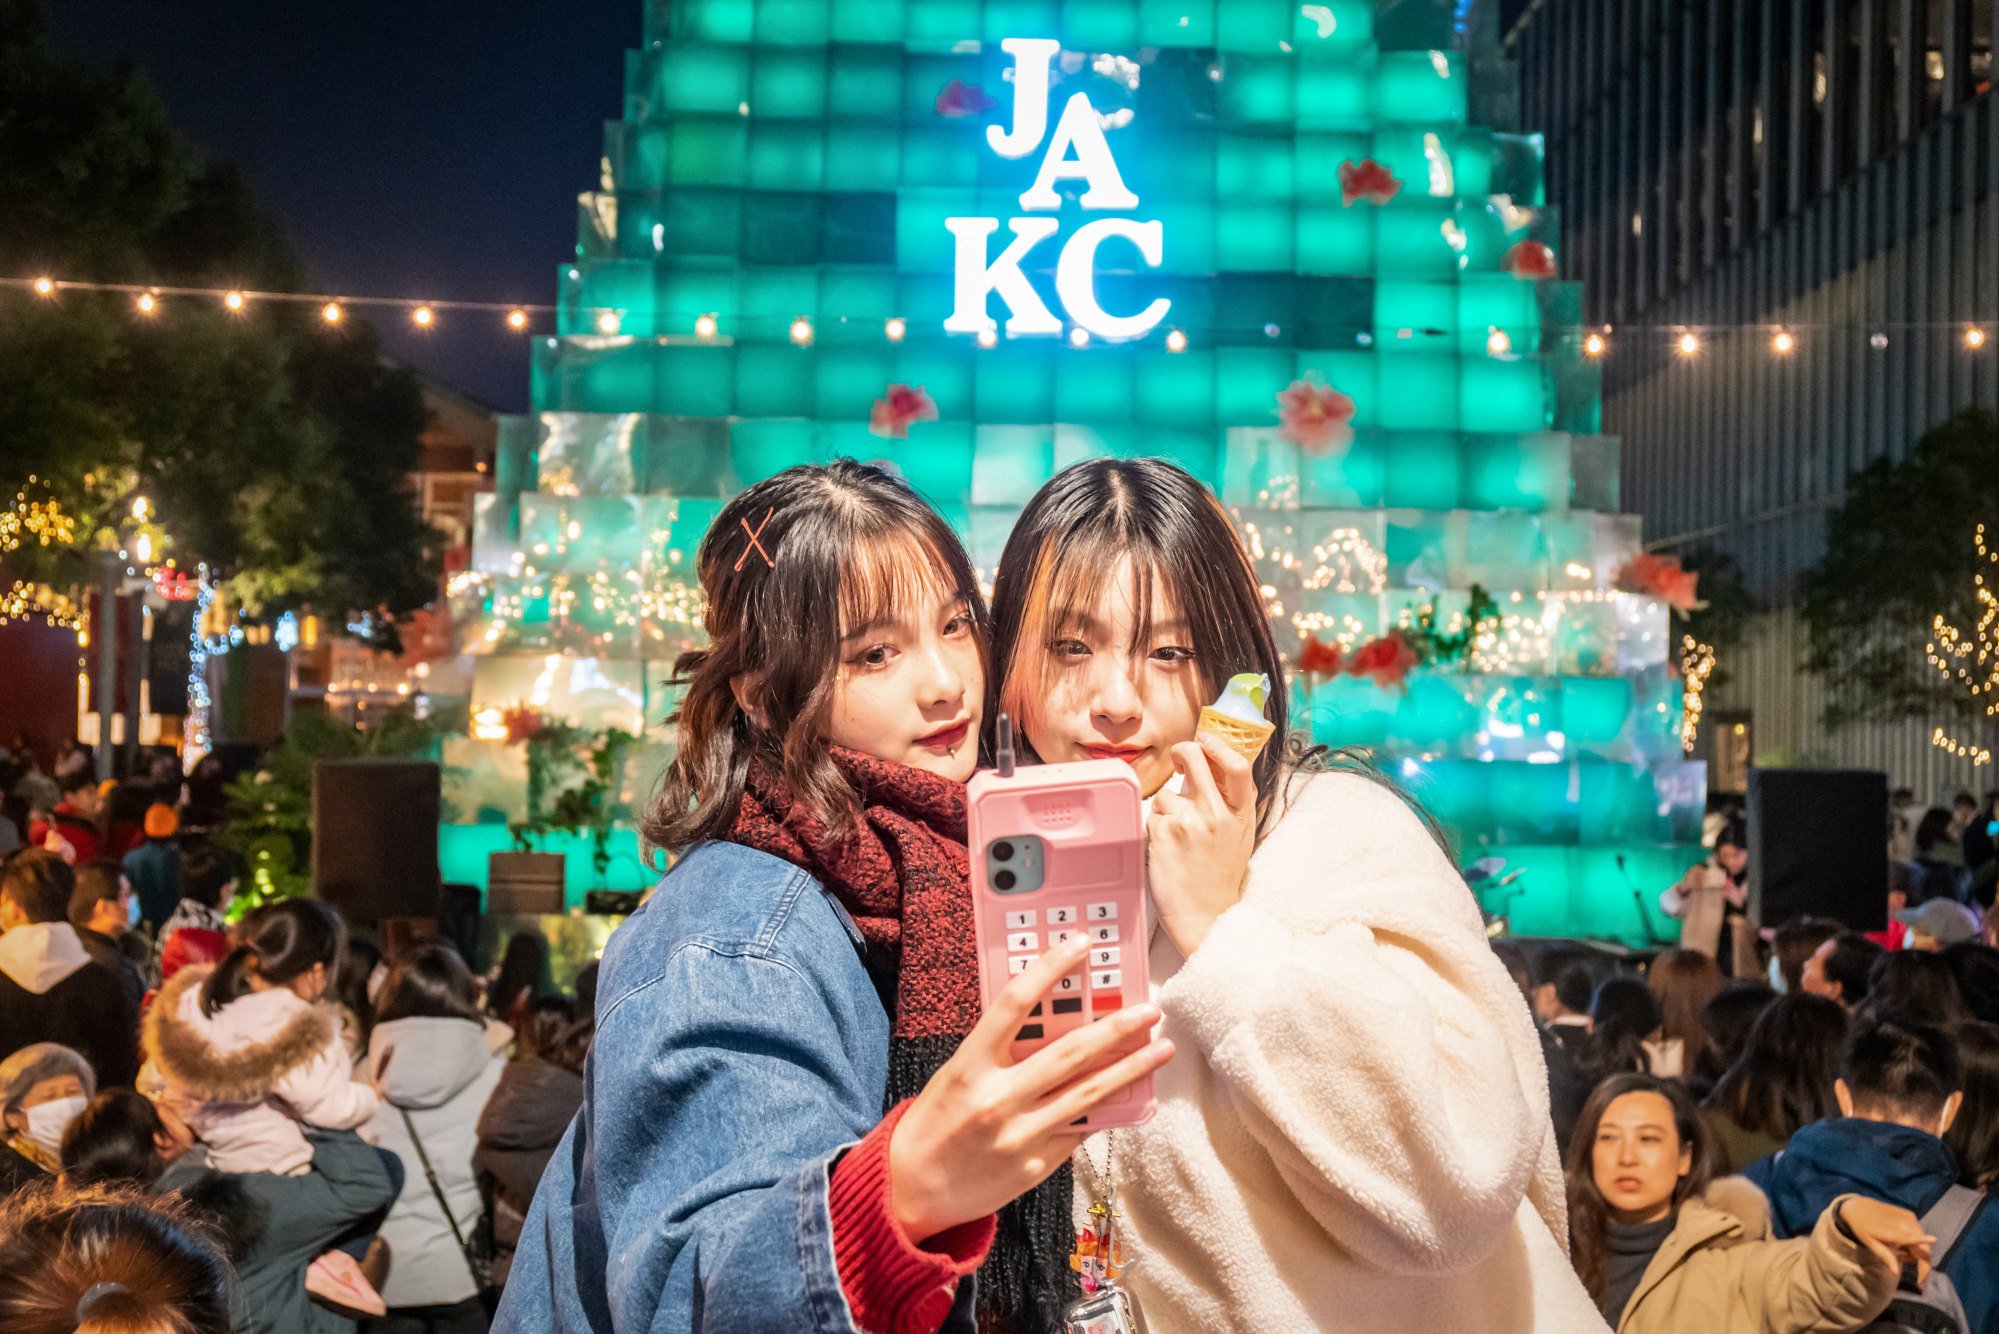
[1355,1134]
[796,1118]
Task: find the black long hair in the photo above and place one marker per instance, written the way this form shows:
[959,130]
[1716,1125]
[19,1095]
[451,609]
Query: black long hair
[1784,1076]
[277,943]
[791,566]
[1974,1135]
[113,1142]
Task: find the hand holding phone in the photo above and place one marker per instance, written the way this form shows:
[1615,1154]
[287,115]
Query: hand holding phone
[991,1125]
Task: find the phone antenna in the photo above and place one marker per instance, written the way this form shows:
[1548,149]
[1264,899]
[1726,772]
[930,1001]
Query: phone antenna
[1003,747]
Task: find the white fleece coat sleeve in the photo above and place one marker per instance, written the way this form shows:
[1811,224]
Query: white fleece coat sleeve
[323,1092]
[1357,1022]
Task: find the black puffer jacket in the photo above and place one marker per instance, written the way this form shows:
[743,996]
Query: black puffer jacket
[523,1122]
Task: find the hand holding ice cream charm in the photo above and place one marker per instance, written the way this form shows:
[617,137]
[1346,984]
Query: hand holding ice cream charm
[1198,840]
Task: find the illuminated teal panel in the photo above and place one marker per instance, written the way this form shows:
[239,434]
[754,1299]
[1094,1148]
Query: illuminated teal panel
[1425,471]
[1009,464]
[1016,383]
[712,79]
[788,84]
[1410,240]
[1596,711]
[861,156]
[1336,28]
[696,382]
[1253,88]
[1401,304]
[867,21]
[714,20]
[1180,23]
[1517,472]
[1099,25]
[1420,86]
[863,81]
[1511,395]
[1252,235]
[1093,388]
[1174,390]
[929,21]
[1332,93]
[1254,166]
[1246,384]
[792,22]
[786,156]
[707,152]
[760,448]
[1419,392]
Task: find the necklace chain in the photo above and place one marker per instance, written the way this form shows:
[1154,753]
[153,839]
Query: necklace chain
[1101,1179]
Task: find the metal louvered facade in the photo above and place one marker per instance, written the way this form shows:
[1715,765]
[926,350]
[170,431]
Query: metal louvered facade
[1737,166]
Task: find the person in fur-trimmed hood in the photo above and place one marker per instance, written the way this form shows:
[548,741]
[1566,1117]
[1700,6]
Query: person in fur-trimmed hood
[247,1054]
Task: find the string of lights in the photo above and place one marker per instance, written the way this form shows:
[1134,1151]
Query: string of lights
[1688,340]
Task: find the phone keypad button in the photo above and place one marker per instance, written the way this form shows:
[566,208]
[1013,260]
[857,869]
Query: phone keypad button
[1102,912]
[1060,937]
[1068,985]
[1104,1002]
[1019,963]
[1023,940]
[1070,1005]
[1061,916]
[1028,1033]
[1104,958]
[1103,935]
[1016,920]
[1109,980]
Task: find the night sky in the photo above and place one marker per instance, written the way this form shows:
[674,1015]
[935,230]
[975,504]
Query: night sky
[427,148]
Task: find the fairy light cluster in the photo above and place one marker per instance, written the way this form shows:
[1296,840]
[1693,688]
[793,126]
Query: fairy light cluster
[1968,661]
[195,729]
[1696,666]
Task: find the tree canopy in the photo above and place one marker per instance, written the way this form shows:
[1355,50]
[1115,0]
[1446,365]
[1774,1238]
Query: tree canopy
[1899,551]
[271,446]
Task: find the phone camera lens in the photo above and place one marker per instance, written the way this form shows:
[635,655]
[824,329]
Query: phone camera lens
[1003,880]
[1002,851]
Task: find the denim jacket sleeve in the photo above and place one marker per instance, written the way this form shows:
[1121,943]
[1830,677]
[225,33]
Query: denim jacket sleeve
[730,1069]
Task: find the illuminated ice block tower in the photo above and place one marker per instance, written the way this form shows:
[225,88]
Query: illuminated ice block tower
[1108,227]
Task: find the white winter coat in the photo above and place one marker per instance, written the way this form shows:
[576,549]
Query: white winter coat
[1354,1134]
[246,1077]
[441,1073]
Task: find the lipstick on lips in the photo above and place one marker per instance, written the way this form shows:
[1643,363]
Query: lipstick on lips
[946,738]
[1125,753]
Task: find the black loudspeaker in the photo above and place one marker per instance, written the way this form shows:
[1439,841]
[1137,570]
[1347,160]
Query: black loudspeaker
[374,838]
[1818,845]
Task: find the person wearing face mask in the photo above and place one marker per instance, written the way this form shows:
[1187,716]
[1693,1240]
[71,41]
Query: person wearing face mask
[50,989]
[105,911]
[1899,1090]
[1663,1251]
[1357,1132]
[43,1087]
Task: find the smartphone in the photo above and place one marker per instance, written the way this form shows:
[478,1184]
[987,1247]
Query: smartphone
[1058,849]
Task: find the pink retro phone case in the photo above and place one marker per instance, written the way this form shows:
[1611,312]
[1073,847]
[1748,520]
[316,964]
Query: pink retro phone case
[1056,849]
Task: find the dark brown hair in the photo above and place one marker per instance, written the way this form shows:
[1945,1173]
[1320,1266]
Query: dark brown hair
[1782,1080]
[837,547]
[429,983]
[277,942]
[1974,1135]
[95,882]
[40,883]
[1589,1212]
[1684,981]
[105,1260]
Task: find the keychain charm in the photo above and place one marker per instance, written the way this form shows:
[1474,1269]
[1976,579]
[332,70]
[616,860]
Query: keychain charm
[1099,1261]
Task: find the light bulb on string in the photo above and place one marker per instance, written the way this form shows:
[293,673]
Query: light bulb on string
[1176,341]
[234,302]
[1498,343]
[1595,345]
[1782,343]
[45,286]
[705,326]
[332,313]
[423,317]
[801,331]
[1690,344]
[609,322]
[1974,338]
[147,303]
[1079,337]
[517,319]
[988,338]
[896,329]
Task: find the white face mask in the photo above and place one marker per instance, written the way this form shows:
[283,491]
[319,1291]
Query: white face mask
[132,912]
[47,1121]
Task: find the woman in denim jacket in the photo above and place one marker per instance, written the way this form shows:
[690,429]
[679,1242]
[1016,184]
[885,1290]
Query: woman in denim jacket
[749,1155]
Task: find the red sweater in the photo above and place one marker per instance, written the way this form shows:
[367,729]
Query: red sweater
[894,1285]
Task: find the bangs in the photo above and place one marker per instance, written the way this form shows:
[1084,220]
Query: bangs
[1073,573]
[891,575]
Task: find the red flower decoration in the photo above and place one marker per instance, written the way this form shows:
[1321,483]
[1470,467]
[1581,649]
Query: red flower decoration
[522,722]
[961,100]
[1661,577]
[1318,658]
[1315,417]
[1368,181]
[902,407]
[1387,661]
[1529,259]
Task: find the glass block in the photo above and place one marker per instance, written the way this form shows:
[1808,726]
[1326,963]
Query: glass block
[1424,470]
[589,454]
[1425,87]
[696,382]
[1510,395]
[788,84]
[762,448]
[1529,472]
[1419,392]
[1176,23]
[792,22]
[1596,461]
[1009,464]
[494,535]
[707,150]
[1252,89]
[774,380]
[688,456]
[701,78]
[1333,92]
[588,692]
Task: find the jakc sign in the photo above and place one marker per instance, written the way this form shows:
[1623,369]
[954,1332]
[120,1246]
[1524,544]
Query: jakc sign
[1077,150]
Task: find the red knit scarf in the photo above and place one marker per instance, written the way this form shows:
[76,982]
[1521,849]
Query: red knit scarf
[903,875]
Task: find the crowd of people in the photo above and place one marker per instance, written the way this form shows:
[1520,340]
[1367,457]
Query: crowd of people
[1368,1114]
[259,1124]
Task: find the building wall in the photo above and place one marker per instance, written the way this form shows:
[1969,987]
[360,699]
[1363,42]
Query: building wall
[1760,164]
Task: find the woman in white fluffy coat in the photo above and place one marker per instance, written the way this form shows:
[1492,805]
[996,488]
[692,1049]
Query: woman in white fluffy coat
[1355,1134]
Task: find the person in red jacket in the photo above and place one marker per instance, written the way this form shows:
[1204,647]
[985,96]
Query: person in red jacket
[73,822]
